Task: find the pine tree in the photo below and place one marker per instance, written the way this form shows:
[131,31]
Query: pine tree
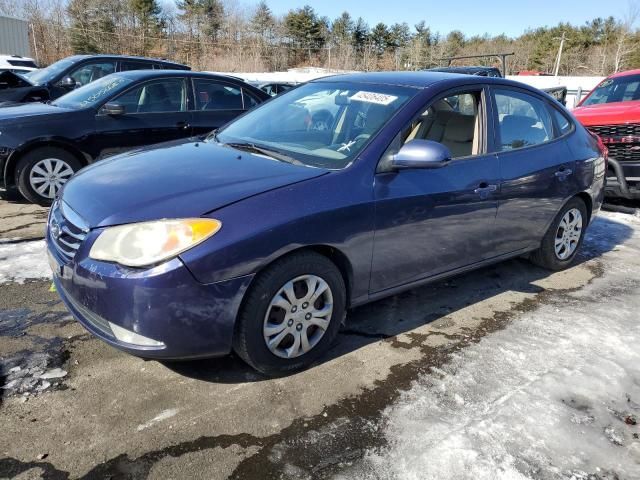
[147,17]
[262,21]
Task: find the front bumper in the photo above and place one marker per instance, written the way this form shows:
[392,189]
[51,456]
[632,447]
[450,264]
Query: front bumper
[623,180]
[164,303]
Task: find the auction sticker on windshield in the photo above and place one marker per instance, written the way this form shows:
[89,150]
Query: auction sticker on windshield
[372,97]
[112,84]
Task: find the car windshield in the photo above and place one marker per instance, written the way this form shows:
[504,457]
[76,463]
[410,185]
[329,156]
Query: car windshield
[322,124]
[618,89]
[93,93]
[45,75]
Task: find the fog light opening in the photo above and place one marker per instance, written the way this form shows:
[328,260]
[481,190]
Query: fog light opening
[132,338]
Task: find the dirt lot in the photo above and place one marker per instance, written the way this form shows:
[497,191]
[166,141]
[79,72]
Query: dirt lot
[99,413]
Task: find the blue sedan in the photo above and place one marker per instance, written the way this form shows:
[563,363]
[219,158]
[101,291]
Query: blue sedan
[340,192]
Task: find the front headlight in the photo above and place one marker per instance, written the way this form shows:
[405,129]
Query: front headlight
[148,243]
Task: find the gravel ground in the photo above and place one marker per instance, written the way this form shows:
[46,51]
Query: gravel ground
[72,407]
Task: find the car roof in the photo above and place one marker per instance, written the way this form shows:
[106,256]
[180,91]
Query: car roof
[14,57]
[420,79]
[125,57]
[142,74]
[624,74]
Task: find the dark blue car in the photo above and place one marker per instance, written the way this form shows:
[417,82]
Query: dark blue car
[342,191]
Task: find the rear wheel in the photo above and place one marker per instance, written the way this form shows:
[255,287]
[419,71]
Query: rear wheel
[41,173]
[291,314]
[564,237]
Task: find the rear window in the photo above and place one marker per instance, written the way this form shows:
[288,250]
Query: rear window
[22,63]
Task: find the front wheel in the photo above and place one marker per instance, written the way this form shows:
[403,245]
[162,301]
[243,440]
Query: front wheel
[41,173]
[564,237]
[291,314]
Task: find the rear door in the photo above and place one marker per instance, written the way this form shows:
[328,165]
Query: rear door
[155,111]
[430,221]
[536,165]
[217,102]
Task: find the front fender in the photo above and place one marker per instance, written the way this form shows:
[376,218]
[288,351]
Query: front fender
[335,210]
[30,145]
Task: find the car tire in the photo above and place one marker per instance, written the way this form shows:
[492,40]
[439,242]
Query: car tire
[33,168]
[562,241]
[259,313]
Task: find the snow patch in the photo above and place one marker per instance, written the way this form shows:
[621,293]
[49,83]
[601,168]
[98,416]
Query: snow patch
[20,261]
[556,394]
[164,415]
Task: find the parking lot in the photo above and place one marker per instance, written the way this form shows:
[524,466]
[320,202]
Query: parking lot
[73,407]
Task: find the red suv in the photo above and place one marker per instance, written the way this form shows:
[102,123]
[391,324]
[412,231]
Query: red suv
[612,111]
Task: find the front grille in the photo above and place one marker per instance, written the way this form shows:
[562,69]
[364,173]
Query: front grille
[624,152]
[66,230]
[609,131]
[623,141]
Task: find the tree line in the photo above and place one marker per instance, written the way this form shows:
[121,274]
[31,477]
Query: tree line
[224,35]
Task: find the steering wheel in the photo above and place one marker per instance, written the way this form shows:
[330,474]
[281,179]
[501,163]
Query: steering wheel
[321,121]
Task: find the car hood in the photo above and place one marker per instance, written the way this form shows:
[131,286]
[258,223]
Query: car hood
[608,113]
[178,180]
[10,80]
[18,113]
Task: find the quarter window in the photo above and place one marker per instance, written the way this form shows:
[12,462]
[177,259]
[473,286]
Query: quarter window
[562,123]
[523,120]
[249,100]
[212,95]
[167,95]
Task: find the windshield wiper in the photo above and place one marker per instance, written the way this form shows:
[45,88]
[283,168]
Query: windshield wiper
[252,147]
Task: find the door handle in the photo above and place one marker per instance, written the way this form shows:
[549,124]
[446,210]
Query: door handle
[485,188]
[563,173]
[183,125]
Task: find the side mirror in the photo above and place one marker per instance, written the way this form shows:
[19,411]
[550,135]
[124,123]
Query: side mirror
[421,154]
[67,82]
[113,109]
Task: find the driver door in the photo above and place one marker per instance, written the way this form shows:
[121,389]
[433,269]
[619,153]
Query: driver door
[155,111]
[431,221]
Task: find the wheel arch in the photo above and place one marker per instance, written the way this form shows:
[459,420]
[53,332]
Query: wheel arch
[333,254]
[588,201]
[19,153]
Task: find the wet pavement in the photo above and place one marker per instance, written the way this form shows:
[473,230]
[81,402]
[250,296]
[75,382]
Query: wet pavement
[99,413]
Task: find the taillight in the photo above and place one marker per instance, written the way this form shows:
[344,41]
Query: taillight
[603,148]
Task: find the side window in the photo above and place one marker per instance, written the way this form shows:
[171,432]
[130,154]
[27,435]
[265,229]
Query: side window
[562,123]
[249,100]
[453,121]
[126,66]
[167,95]
[213,95]
[90,72]
[523,120]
